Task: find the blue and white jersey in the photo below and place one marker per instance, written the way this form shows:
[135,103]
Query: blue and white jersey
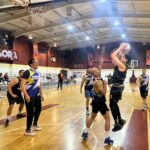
[33,82]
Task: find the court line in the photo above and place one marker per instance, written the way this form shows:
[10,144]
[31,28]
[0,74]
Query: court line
[14,118]
[59,124]
[127,124]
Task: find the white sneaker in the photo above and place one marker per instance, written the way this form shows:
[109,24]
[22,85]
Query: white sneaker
[144,108]
[37,128]
[30,133]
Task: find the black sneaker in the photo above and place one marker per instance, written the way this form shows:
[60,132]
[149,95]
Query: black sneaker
[108,141]
[85,135]
[117,127]
[6,122]
[20,116]
[122,122]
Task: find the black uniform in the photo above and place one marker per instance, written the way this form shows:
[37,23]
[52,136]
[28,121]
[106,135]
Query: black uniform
[60,80]
[109,79]
[98,104]
[15,90]
[144,81]
[116,92]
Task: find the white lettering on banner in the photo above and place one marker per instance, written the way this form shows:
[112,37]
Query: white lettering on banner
[8,54]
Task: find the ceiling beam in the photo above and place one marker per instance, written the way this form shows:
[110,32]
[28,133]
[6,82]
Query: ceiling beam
[101,41]
[105,37]
[89,16]
[64,33]
[16,16]
[59,3]
[62,43]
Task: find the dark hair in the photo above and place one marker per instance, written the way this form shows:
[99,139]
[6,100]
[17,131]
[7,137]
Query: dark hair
[30,62]
[20,71]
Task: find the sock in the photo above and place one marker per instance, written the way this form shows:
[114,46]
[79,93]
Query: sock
[107,134]
[19,112]
[8,117]
[86,130]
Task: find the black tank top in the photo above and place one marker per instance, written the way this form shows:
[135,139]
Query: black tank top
[16,88]
[118,76]
[144,80]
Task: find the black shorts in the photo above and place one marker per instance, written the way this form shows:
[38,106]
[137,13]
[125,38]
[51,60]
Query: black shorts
[98,104]
[17,100]
[143,91]
[116,93]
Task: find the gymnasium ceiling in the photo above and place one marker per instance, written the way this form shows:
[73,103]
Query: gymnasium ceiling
[78,23]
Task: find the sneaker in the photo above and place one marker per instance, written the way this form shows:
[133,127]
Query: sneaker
[85,135]
[30,133]
[144,108]
[6,122]
[117,127]
[20,116]
[87,112]
[37,128]
[122,122]
[108,141]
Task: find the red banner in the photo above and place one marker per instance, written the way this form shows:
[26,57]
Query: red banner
[35,51]
[148,57]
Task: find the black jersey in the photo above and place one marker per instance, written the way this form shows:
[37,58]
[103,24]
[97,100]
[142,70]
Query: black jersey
[16,88]
[144,80]
[118,76]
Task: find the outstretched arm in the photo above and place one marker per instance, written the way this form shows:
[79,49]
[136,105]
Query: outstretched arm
[101,60]
[115,59]
[82,83]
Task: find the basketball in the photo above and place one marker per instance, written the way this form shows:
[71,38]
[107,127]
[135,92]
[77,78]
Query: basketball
[125,48]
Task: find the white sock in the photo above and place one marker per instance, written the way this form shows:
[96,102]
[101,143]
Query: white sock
[86,130]
[8,117]
[19,112]
[107,134]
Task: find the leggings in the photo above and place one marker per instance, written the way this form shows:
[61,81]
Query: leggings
[33,109]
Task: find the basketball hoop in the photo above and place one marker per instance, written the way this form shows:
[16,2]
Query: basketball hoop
[38,15]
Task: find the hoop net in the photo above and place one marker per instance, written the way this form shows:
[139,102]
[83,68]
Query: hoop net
[38,15]
[23,3]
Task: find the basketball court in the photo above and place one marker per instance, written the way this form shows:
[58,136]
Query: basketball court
[70,36]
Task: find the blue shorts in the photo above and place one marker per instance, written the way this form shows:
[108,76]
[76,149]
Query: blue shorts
[89,93]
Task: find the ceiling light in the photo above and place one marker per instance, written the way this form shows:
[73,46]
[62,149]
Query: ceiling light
[116,23]
[123,35]
[87,38]
[98,47]
[70,27]
[55,44]
[30,37]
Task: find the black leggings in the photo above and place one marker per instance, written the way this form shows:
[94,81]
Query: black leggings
[60,82]
[33,111]
[115,96]
[115,110]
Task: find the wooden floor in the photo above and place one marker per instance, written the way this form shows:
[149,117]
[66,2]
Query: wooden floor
[62,124]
